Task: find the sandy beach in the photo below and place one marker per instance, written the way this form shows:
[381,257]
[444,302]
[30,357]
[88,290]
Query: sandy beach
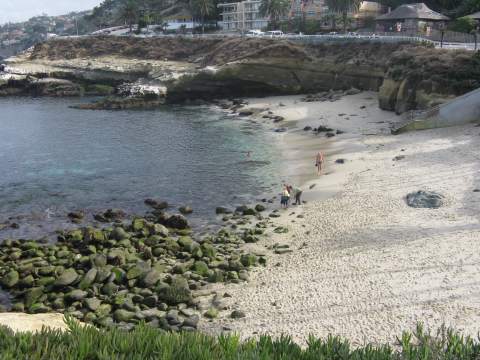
[364,265]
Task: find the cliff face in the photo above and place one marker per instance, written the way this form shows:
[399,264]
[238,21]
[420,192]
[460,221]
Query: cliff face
[406,76]
[422,78]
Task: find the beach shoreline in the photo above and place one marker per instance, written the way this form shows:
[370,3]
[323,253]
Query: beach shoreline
[361,263]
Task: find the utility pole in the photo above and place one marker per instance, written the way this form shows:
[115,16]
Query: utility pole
[76,24]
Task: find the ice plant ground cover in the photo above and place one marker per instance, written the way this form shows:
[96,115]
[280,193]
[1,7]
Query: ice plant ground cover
[144,342]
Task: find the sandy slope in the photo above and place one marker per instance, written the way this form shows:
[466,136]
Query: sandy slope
[26,322]
[365,265]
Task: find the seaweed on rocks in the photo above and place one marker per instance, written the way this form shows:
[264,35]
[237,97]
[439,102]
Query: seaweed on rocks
[146,270]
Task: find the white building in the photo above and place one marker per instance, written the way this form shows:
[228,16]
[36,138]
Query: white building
[242,16]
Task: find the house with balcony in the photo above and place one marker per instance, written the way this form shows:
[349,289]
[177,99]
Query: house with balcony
[242,16]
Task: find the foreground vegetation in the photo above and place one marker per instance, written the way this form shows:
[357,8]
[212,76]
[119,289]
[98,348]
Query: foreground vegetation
[145,342]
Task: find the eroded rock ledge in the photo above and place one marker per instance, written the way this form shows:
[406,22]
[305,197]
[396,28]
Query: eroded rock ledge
[178,69]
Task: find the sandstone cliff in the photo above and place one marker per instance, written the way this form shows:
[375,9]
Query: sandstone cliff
[406,76]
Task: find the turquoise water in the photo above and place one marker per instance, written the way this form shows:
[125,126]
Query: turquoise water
[54,159]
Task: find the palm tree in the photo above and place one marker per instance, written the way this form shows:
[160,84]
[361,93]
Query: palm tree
[343,7]
[129,13]
[202,8]
[275,10]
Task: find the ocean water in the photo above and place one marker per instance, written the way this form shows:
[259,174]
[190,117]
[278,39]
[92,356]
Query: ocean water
[54,159]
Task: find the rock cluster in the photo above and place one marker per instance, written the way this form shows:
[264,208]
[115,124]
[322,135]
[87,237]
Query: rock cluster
[121,275]
[332,95]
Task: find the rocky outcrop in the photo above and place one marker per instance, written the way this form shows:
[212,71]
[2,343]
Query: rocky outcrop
[422,77]
[406,76]
[275,76]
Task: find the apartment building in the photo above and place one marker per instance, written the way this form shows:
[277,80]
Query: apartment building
[310,9]
[242,16]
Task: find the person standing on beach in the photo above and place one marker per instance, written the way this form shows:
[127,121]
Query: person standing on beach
[298,195]
[285,198]
[319,162]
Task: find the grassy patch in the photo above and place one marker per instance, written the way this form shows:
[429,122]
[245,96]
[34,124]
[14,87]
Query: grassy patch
[148,343]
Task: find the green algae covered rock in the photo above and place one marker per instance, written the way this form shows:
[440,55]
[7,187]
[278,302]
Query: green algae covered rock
[10,279]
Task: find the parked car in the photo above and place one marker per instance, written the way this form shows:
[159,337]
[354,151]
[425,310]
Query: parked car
[275,33]
[253,33]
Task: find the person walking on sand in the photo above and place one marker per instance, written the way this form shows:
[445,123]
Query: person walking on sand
[285,198]
[319,162]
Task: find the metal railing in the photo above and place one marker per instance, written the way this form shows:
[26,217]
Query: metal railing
[327,38]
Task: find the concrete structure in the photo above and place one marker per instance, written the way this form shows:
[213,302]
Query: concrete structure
[462,110]
[411,18]
[242,16]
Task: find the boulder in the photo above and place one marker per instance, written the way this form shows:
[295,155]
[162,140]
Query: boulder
[76,295]
[177,222]
[425,199]
[10,279]
[201,268]
[151,278]
[159,229]
[222,210]
[237,314]
[92,303]
[260,208]
[156,204]
[68,277]
[119,233]
[121,315]
[177,292]
[103,310]
[138,270]
[185,210]
[32,295]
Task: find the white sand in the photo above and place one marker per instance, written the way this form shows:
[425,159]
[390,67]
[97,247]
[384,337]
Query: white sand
[20,322]
[365,265]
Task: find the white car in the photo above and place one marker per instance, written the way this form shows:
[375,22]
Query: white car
[274,33]
[254,33]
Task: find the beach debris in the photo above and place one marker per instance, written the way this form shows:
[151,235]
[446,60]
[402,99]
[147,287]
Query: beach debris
[340,132]
[340,161]
[307,128]
[312,186]
[425,199]
[399,157]
[329,134]
[280,130]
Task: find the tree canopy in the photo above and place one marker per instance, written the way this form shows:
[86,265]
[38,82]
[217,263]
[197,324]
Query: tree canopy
[274,9]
